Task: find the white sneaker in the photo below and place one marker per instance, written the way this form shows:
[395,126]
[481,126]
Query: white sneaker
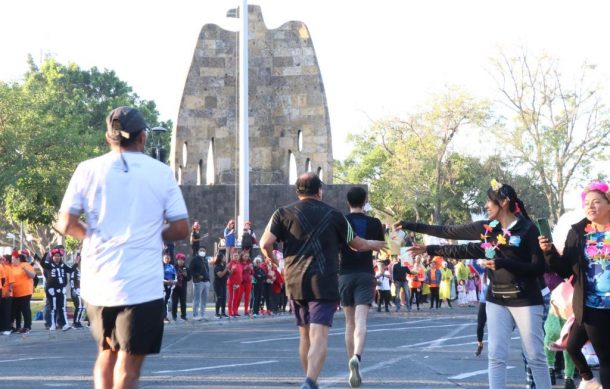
[354,372]
[52,328]
[593,383]
[6,332]
[66,327]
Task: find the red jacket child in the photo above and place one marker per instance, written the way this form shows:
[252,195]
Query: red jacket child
[234,284]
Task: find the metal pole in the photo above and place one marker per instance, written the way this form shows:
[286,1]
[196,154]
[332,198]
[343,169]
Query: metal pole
[21,236]
[244,147]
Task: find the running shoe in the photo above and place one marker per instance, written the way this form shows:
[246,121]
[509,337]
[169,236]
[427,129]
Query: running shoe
[354,372]
[309,384]
[66,327]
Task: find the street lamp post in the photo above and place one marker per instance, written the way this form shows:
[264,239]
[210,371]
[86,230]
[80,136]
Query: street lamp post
[157,131]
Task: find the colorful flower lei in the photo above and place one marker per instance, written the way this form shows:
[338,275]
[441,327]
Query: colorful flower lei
[495,185]
[593,248]
[490,248]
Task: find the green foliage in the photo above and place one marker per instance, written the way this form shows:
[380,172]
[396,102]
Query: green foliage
[49,123]
[414,173]
[409,165]
[558,128]
[72,245]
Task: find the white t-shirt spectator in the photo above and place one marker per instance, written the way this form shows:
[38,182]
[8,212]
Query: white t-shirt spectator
[383,280]
[125,205]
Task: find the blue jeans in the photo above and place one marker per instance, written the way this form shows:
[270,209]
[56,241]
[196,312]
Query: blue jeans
[529,378]
[200,297]
[501,321]
[405,286]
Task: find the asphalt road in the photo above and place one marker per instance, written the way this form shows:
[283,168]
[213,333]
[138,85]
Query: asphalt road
[425,349]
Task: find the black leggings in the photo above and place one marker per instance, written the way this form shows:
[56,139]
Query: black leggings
[168,295]
[5,313]
[595,327]
[267,295]
[434,297]
[257,292]
[384,296]
[21,307]
[179,295]
[481,320]
[415,292]
[220,290]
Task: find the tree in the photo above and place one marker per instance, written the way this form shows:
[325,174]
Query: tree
[408,163]
[50,122]
[556,130]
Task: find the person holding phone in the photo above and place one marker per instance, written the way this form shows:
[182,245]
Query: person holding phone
[183,276]
[586,255]
[509,250]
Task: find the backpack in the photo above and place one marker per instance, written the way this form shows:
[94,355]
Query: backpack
[246,240]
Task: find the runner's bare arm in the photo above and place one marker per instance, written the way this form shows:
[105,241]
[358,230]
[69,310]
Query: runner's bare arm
[360,244]
[176,230]
[266,245]
[68,224]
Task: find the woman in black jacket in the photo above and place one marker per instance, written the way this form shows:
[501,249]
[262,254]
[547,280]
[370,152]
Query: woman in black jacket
[509,250]
[183,275]
[586,255]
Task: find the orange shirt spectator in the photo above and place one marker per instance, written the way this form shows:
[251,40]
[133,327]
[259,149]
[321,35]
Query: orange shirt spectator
[23,282]
[415,280]
[9,279]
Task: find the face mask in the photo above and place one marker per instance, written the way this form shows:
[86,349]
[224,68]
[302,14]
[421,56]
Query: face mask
[202,253]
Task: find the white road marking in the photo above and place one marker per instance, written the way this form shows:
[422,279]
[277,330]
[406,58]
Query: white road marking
[431,342]
[343,333]
[28,359]
[449,336]
[215,367]
[465,344]
[473,373]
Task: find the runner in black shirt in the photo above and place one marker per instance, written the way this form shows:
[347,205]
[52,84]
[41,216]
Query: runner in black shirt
[357,281]
[313,233]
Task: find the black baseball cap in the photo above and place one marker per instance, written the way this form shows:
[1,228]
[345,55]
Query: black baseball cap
[130,119]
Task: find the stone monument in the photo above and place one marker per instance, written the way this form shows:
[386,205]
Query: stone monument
[288,111]
[288,120]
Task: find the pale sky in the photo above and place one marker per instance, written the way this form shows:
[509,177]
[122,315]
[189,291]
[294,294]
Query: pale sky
[377,58]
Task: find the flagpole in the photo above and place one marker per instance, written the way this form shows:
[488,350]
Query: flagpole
[244,146]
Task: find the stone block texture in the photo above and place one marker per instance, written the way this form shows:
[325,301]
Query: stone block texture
[287,102]
[214,205]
